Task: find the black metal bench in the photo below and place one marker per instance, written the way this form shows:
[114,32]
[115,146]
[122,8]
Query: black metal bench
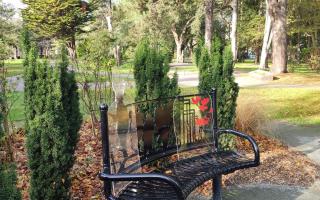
[165,148]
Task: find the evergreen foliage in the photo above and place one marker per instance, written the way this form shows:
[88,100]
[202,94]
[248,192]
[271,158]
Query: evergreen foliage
[52,122]
[59,19]
[30,64]
[197,51]
[70,100]
[216,71]
[26,44]
[151,67]
[8,180]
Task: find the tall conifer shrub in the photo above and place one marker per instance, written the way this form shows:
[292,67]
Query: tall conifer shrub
[53,122]
[151,67]
[216,71]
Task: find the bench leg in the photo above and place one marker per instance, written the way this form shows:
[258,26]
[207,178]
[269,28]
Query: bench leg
[216,187]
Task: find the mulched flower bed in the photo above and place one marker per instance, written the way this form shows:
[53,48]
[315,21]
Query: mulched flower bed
[279,166]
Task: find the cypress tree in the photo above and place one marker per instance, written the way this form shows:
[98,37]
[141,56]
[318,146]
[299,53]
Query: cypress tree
[8,181]
[204,65]
[26,44]
[70,105]
[198,51]
[230,90]
[30,65]
[53,129]
[151,67]
[228,99]
[141,55]
[216,71]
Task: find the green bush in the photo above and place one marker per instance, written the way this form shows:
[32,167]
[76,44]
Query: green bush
[52,123]
[151,67]
[8,180]
[216,71]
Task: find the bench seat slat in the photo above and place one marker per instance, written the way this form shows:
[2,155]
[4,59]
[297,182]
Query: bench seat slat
[190,173]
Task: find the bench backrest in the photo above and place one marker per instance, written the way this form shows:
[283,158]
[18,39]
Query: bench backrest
[137,134]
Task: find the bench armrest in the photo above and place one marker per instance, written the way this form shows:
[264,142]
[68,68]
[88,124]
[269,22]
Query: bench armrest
[245,136]
[139,177]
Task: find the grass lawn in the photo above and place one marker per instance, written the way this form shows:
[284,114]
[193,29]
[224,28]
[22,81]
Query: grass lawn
[14,67]
[246,66]
[17,111]
[296,105]
[302,75]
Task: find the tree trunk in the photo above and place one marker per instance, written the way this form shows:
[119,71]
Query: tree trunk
[257,52]
[233,34]
[180,39]
[208,22]
[179,52]
[278,12]
[71,46]
[117,55]
[266,40]
[179,42]
[314,39]
[116,48]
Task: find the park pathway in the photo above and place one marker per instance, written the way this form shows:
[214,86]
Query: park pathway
[191,79]
[300,138]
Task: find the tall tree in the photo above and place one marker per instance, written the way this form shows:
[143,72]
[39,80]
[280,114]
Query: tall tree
[57,19]
[233,34]
[250,26]
[278,13]
[267,38]
[208,7]
[174,16]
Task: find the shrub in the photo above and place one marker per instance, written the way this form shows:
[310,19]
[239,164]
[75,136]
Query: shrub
[53,120]
[197,51]
[8,181]
[216,71]
[250,117]
[151,67]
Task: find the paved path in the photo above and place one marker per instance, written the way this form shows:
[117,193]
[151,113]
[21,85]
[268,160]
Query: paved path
[264,192]
[304,139]
[190,79]
[301,138]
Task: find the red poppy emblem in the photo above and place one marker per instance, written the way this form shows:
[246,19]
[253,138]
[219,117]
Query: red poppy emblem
[205,101]
[195,100]
[203,107]
[202,121]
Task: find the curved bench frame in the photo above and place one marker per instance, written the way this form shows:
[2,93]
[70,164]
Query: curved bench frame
[107,177]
